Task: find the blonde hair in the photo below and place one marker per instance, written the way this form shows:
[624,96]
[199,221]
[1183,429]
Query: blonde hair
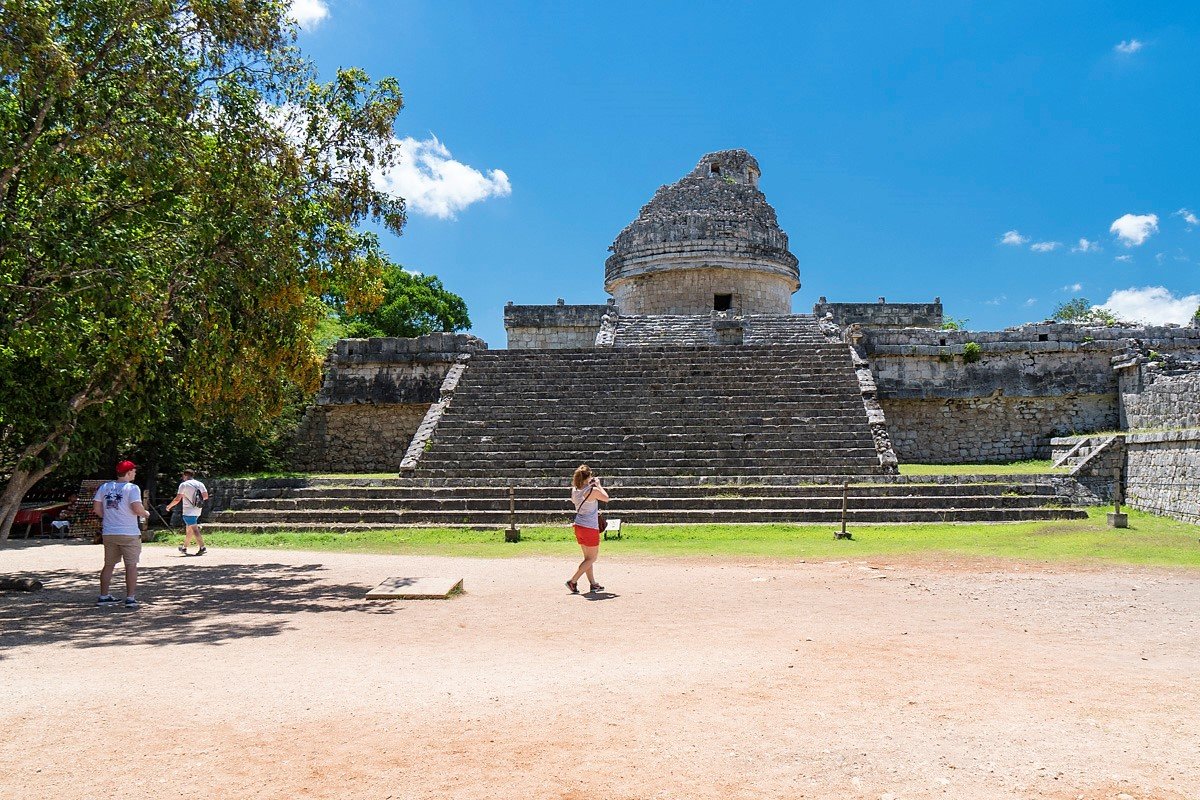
[583,473]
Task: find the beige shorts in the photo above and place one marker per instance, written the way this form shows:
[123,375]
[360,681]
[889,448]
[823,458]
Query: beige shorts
[118,548]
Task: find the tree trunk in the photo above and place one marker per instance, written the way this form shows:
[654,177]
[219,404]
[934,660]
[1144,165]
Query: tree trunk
[22,480]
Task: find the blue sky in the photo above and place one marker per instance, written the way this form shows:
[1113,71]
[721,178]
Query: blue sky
[902,145]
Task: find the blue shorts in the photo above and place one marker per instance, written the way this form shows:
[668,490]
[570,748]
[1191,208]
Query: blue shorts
[191,520]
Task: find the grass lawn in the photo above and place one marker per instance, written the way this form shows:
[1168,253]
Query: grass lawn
[1147,540]
[1041,466]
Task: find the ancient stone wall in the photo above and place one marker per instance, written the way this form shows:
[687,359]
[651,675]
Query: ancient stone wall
[373,398]
[1158,395]
[960,396]
[1162,473]
[694,291]
[882,314]
[553,327]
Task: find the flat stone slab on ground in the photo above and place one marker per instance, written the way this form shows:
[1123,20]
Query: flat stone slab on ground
[416,589]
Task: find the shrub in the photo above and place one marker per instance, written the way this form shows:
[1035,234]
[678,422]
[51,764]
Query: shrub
[972,352]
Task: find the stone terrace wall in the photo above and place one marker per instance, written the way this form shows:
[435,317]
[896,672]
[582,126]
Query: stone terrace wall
[374,396]
[553,327]
[1163,473]
[1030,384]
[1154,395]
[882,314]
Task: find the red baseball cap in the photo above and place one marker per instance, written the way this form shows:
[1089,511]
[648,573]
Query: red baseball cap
[125,466]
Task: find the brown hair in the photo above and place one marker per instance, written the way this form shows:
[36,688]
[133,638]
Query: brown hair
[583,474]
[189,473]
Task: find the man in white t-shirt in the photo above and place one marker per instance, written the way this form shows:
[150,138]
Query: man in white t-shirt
[192,494]
[119,505]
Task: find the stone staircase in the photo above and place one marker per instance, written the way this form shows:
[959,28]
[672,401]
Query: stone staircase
[706,411]
[375,503]
[680,434]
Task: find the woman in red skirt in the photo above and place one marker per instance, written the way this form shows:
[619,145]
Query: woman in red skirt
[586,496]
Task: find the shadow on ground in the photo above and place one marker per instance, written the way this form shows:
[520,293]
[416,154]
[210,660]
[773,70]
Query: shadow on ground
[197,604]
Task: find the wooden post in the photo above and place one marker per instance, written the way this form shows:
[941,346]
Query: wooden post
[1115,518]
[513,534]
[844,534]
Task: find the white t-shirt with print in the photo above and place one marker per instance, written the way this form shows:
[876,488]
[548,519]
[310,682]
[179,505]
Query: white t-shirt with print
[192,491]
[118,498]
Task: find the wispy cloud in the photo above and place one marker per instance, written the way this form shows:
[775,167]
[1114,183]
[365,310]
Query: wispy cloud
[436,185]
[308,14]
[1013,238]
[1155,305]
[1134,229]
[1191,219]
[1044,247]
[1030,301]
[1124,259]
[995,301]
[1086,246]
[1129,47]
[1072,287]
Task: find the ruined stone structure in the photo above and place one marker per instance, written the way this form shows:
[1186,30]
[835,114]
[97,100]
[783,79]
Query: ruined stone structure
[374,396]
[696,375]
[709,241]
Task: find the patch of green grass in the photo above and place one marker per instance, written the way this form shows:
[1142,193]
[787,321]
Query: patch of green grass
[1148,540]
[1031,467]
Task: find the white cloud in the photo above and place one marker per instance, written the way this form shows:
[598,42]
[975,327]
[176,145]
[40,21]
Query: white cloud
[1154,305]
[1129,47]
[1124,259]
[1191,219]
[308,14]
[1086,246]
[1030,301]
[436,185]
[1013,238]
[995,301]
[1072,287]
[1044,247]
[1134,229]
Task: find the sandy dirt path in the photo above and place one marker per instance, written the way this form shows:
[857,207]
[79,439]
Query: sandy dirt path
[259,674]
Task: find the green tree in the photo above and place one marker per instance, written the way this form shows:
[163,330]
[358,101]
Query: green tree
[1080,311]
[954,324]
[177,192]
[413,305]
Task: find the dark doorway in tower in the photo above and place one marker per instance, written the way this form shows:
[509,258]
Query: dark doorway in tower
[722,302]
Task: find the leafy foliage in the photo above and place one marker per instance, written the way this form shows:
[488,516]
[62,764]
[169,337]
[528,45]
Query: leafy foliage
[1080,311]
[177,192]
[413,305]
[954,324]
[972,352]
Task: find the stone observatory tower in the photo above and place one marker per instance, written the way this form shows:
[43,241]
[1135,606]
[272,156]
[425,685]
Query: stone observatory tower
[708,242]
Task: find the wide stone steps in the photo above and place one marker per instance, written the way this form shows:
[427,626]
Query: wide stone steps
[626,506]
[344,520]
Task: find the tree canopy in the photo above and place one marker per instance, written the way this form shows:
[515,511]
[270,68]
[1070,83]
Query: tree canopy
[177,194]
[1080,311]
[413,305]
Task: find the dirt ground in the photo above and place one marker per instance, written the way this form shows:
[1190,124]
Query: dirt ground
[259,674]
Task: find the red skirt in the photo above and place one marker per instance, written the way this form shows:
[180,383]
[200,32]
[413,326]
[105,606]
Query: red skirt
[588,537]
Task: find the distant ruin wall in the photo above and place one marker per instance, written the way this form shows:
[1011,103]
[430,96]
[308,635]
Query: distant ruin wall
[1021,386]
[882,314]
[374,396]
[553,327]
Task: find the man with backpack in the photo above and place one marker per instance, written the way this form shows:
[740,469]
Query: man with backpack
[192,494]
[119,505]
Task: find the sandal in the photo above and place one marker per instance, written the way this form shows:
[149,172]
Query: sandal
[573,586]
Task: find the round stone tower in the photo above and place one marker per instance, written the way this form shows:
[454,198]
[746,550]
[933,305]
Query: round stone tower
[709,241]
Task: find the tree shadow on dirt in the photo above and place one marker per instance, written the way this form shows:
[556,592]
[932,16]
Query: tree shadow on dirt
[199,604]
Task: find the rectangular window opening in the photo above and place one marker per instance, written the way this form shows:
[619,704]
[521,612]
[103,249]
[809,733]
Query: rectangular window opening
[722,302]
